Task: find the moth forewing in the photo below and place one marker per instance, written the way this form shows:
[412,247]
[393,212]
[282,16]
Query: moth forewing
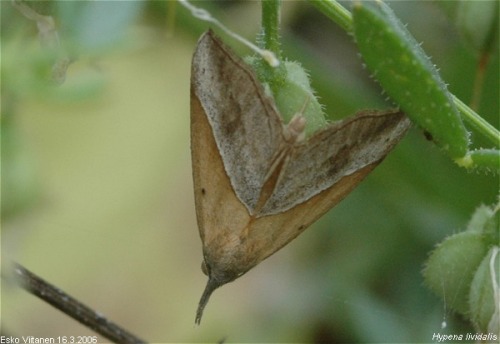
[330,154]
[310,206]
[220,214]
[265,237]
[244,121]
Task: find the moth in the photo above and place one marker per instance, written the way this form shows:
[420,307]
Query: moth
[258,182]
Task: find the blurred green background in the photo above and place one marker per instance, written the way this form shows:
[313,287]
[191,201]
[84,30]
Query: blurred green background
[97,193]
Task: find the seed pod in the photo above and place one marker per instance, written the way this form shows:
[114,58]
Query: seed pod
[405,72]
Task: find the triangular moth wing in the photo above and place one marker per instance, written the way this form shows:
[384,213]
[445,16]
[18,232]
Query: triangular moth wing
[246,126]
[219,212]
[337,151]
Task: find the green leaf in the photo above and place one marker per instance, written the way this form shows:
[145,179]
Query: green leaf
[291,90]
[451,267]
[459,268]
[296,93]
[482,302]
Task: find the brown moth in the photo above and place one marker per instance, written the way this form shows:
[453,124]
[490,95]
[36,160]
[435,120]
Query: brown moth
[258,182]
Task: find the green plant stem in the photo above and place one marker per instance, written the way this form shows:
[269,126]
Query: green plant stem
[336,12]
[342,17]
[270,40]
[270,26]
[477,122]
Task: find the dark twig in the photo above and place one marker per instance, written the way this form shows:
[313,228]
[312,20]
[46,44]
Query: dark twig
[75,309]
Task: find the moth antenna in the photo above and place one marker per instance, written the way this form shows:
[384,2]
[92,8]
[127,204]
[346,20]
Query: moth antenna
[212,284]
